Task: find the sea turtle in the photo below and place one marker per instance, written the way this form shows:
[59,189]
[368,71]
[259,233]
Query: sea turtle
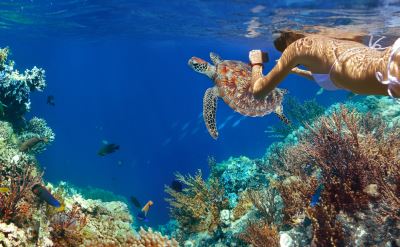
[232,82]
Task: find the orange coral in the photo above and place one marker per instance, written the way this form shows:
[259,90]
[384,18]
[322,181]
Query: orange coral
[152,239]
[261,235]
[243,206]
[197,208]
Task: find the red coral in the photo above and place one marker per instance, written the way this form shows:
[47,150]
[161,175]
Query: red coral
[13,202]
[67,227]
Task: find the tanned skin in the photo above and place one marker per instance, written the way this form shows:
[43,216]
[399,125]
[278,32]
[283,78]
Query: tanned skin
[351,65]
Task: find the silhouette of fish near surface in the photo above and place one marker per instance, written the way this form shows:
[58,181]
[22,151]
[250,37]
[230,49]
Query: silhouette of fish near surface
[108,148]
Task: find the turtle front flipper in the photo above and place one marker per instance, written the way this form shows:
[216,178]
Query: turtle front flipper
[210,111]
[279,112]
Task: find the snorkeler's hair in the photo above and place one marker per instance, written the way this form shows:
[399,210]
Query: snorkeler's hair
[285,38]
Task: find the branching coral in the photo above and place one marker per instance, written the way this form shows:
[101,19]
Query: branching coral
[260,235]
[66,227]
[13,202]
[243,206]
[197,208]
[356,160]
[266,204]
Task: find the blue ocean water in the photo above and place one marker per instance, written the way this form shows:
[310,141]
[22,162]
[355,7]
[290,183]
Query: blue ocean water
[118,71]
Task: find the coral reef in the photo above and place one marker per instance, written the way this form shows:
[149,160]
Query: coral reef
[16,87]
[25,217]
[298,113]
[260,235]
[152,239]
[333,181]
[36,128]
[197,208]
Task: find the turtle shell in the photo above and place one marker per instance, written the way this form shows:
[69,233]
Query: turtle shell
[233,79]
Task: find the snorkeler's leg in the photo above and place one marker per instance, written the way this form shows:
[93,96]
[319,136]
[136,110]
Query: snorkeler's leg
[304,73]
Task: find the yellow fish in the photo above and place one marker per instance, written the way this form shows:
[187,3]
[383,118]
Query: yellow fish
[4,189]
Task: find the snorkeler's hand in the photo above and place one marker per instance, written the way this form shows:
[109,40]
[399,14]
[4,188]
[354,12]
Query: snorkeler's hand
[256,57]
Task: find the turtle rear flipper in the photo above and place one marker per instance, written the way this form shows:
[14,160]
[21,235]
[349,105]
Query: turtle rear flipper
[210,111]
[279,112]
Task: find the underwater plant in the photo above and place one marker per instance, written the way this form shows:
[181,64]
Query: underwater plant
[197,208]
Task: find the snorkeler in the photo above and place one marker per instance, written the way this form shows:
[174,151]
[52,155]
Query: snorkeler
[333,63]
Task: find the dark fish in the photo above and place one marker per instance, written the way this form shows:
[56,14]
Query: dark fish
[176,185]
[30,143]
[45,195]
[135,202]
[50,100]
[315,198]
[107,149]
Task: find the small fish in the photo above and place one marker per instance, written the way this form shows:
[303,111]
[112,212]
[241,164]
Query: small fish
[135,202]
[176,185]
[30,143]
[142,215]
[50,100]
[45,195]
[107,149]
[351,95]
[316,197]
[2,109]
[4,189]
[320,91]
[237,122]
[185,126]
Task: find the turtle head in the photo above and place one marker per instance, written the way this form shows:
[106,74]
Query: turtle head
[201,66]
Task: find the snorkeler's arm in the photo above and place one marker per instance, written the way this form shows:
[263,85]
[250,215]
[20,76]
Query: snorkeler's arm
[257,58]
[263,86]
[301,72]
